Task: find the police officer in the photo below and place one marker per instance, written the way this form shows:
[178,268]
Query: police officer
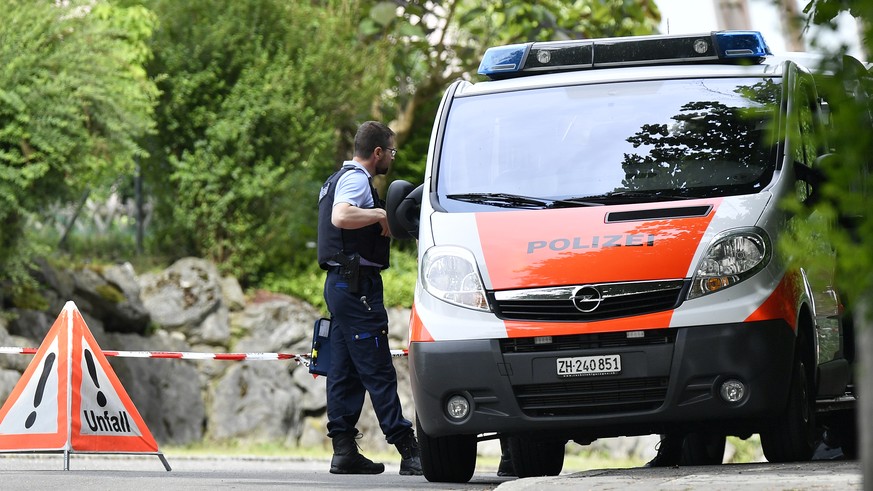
[353,246]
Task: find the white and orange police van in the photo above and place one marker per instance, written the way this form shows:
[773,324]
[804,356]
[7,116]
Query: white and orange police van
[598,227]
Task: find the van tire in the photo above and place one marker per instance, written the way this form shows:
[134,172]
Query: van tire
[791,437]
[534,457]
[447,458]
[701,448]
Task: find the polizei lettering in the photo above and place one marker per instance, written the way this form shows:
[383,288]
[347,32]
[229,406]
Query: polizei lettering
[117,423]
[593,242]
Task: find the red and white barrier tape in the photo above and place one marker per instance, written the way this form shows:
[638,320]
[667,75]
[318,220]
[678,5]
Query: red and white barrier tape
[187,355]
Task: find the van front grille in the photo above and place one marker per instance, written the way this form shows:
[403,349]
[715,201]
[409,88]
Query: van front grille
[589,302]
[580,397]
[575,342]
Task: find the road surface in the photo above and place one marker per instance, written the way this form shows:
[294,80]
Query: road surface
[146,473]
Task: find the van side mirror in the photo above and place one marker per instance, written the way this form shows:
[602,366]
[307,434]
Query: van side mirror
[403,204]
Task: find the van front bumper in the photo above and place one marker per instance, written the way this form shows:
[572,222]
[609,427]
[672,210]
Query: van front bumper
[670,380]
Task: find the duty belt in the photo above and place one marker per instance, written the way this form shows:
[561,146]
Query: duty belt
[363,270]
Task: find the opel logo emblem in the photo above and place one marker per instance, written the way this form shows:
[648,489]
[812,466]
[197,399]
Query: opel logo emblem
[586,298]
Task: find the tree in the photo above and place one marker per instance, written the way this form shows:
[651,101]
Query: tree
[706,136]
[438,42]
[74,101]
[256,97]
[844,198]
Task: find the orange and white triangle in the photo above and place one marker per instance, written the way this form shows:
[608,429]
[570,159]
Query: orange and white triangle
[70,399]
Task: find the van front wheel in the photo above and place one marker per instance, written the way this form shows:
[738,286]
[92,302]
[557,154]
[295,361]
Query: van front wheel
[791,437]
[533,456]
[447,458]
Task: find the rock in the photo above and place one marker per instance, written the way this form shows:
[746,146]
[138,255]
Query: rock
[59,284]
[313,391]
[192,308]
[233,296]
[398,327]
[167,393]
[214,330]
[31,324]
[8,379]
[279,324]
[113,296]
[313,433]
[183,296]
[255,401]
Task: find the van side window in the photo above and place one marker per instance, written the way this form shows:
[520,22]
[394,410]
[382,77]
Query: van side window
[806,150]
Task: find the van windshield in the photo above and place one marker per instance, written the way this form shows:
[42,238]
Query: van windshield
[608,143]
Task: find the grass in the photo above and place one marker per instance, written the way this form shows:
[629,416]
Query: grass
[273,450]
[576,461]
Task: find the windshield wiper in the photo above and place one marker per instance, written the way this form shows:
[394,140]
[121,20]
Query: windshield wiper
[500,199]
[516,200]
[624,196]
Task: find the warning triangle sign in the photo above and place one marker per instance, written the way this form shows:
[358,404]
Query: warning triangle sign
[35,414]
[69,399]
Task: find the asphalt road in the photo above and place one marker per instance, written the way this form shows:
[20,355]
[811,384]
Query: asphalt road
[146,473]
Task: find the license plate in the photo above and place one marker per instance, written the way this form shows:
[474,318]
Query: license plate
[581,366]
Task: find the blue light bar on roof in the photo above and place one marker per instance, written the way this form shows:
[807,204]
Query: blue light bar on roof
[504,58]
[531,58]
[740,44]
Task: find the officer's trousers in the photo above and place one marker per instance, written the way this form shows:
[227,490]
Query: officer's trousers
[361,359]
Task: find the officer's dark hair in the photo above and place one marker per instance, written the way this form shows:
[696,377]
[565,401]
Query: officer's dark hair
[370,135]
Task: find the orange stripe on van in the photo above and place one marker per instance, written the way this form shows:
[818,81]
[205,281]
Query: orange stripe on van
[781,304]
[575,246]
[417,331]
[525,329]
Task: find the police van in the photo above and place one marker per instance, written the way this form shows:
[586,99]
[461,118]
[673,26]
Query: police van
[598,231]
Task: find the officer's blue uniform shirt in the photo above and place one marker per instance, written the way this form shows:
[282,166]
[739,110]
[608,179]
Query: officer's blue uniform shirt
[353,187]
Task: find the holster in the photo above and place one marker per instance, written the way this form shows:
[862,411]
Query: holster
[350,270]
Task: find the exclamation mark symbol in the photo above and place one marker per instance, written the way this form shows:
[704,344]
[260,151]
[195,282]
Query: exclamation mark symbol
[92,369]
[40,388]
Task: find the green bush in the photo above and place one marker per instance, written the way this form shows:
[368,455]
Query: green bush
[74,102]
[307,283]
[255,98]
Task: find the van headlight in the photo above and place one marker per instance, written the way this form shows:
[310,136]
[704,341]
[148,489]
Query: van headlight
[450,274]
[731,258]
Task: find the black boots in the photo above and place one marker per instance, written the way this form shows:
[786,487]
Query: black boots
[347,460]
[410,463]
[505,468]
[669,451]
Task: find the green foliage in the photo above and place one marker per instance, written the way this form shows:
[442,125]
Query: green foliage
[841,214]
[307,282]
[110,293]
[29,298]
[399,279]
[745,450]
[235,114]
[254,96]
[74,100]
[435,43]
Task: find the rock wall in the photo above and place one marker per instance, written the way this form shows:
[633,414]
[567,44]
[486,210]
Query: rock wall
[190,307]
